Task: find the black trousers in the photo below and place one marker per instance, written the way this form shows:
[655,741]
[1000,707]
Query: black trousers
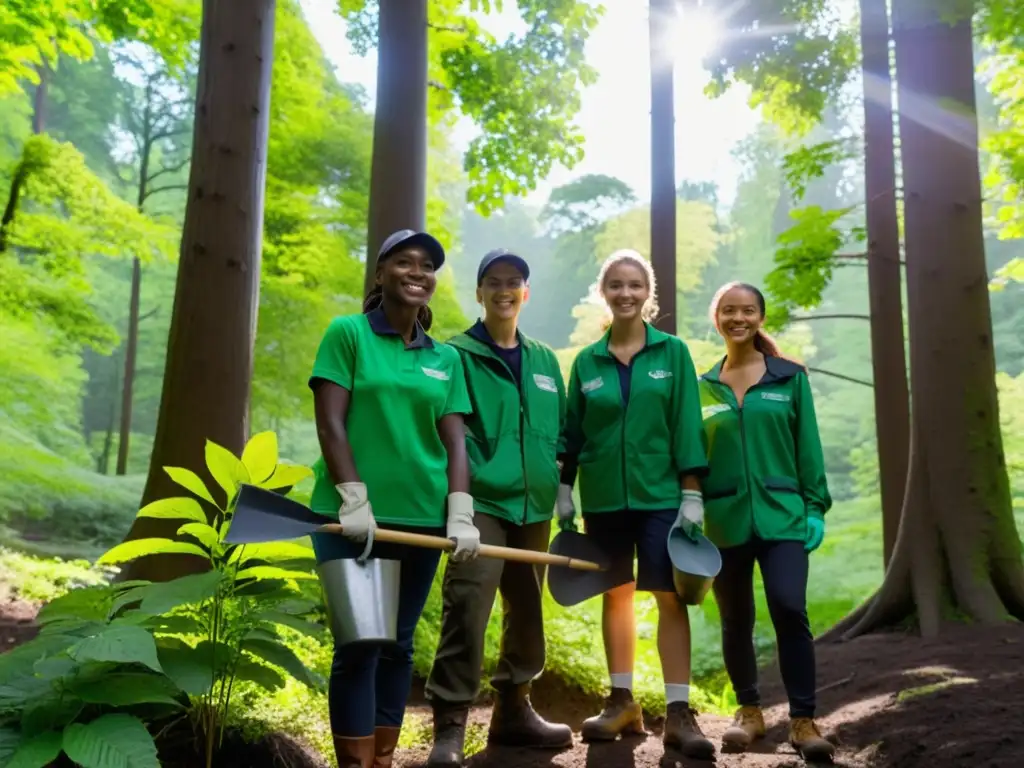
[783,567]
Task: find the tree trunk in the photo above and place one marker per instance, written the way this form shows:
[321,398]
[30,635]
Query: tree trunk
[957,555]
[888,358]
[130,354]
[213,321]
[663,162]
[398,174]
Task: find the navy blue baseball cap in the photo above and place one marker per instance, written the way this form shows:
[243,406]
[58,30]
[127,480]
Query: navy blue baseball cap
[501,255]
[407,238]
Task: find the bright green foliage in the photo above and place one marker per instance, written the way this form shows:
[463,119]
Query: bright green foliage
[797,69]
[576,206]
[523,92]
[810,162]
[107,653]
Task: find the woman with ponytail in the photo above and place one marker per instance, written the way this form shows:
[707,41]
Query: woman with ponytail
[633,430]
[389,405]
[766,497]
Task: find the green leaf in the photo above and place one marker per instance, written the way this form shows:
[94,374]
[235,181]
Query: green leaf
[49,713]
[286,475]
[131,550]
[190,481]
[175,508]
[119,644]
[124,689]
[260,456]
[194,588]
[201,532]
[225,468]
[294,622]
[9,740]
[261,674]
[111,741]
[271,551]
[38,751]
[176,624]
[279,655]
[194,669]
[262,572]
[90,603]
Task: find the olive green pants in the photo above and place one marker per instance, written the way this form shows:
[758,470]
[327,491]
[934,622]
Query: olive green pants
[468,597]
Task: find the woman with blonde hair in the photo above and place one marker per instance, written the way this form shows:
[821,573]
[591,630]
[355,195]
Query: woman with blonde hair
[633,432]
[766,497]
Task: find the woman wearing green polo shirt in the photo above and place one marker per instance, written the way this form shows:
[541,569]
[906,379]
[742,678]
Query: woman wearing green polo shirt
[389,405]
[766,498]
[633,430]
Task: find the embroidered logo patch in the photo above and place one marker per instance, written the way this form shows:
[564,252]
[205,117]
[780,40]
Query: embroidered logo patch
[776,396]
[435,374]
[710,410]
[590,386]
[660,374]
[545,382]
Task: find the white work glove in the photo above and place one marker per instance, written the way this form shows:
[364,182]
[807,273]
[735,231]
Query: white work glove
[356,515]
[564,507]
[692,508]
[460,527]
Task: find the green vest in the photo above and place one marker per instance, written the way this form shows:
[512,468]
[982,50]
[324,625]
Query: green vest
[512,433]
[632,454]
[767,467]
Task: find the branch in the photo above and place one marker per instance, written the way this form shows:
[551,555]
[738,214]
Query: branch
[828,317]
[158,190]
[437,85]
[446,28]
[168,169]
[863,257]
[167,134]
[147,315]
[841,376]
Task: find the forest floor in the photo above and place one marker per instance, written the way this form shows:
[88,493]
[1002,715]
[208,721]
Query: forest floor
[888,700]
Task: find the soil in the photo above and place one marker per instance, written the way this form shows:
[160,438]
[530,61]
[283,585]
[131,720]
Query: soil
[888,700]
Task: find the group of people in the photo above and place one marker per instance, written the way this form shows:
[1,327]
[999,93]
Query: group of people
[480,440]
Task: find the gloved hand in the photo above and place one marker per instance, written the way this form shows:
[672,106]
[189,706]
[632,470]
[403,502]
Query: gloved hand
[815,532]
[565,510]
[356,516]
[461,528]
[691,513]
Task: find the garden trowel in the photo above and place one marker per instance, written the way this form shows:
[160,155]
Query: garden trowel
[573,587]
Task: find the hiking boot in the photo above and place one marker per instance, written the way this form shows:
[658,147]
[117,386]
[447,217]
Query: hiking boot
[385,741]
[449,736]
[515,723]
[620,716]
[747,725]
[808,741]
[354,752]
[683,732]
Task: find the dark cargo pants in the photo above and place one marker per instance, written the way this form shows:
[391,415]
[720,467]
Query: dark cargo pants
[468,597]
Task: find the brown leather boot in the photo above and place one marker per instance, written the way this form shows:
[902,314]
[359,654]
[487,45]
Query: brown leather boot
[515,723]
[449,735]
[385,741]
[808,741]
[620,716]
[683,732]
[747,725]
[354,752]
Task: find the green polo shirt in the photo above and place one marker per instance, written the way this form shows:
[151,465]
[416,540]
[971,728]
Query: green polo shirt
[399,393]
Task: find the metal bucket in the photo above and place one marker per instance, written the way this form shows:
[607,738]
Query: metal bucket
[361,599]
[695,564]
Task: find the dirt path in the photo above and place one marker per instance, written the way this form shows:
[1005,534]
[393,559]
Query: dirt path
[886,700]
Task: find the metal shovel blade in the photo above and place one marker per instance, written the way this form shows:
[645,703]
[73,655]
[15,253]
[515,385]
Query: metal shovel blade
[263,516]
[695,563]
[570,587]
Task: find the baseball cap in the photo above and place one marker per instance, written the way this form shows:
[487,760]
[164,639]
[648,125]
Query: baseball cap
[501,255]
[409,237]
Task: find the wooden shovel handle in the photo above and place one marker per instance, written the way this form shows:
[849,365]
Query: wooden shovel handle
[486,550]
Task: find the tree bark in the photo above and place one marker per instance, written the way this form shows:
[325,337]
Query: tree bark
[663,162]
[398,172]
[888,358]
[213,321]
[130,354]
[957,555]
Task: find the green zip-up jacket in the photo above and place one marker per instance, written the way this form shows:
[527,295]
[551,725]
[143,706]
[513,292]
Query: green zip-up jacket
[632,454]
[767,467]
[512,434]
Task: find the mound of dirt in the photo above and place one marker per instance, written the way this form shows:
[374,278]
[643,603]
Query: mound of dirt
[17,623]
[888,700]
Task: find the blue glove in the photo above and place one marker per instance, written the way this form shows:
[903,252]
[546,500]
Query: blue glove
[815,533]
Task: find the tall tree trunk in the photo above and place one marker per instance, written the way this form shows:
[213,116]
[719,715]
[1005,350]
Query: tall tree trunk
[130,354]
[398,174]
[888,358]
[957,553]
[213,322]
[663,161]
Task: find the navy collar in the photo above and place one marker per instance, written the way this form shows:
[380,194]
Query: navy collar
[775,369]
[379,324]
[479,332]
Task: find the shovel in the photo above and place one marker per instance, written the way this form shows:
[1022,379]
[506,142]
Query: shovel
[695,562]
[570,588]
[262,515]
